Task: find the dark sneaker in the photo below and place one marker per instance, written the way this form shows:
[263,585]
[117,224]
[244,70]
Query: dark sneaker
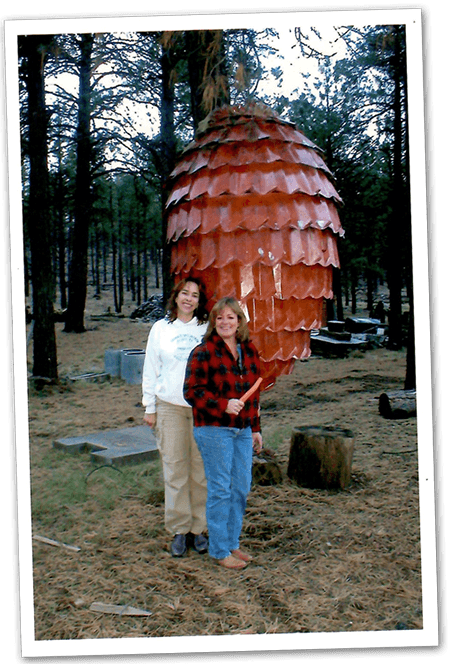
[200,543]
[178,546]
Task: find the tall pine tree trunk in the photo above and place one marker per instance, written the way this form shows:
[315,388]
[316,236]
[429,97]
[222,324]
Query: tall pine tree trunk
[59,206]
[410,377]
[337,290]
[208,81]
[78,271]
[168,153]
[208,77]
[396,235]
[39,220]
[61,235]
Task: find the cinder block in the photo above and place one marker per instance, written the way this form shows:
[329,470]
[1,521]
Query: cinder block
[131,366]
[126,363]
[112,361]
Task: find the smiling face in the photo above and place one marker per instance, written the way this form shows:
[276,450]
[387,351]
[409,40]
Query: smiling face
[187,301]
[227,323]
[228,320]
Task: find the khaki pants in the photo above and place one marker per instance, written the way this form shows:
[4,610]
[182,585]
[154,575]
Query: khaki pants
[184,474]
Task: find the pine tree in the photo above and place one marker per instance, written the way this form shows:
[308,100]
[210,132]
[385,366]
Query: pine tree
[33,50]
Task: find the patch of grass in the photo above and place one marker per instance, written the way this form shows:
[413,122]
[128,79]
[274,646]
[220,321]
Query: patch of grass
[276,436]
[68,487]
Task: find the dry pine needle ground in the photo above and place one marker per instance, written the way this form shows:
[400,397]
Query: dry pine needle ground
[323,561]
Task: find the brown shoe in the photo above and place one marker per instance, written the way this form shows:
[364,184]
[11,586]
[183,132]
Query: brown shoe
[231,562]
[242,555]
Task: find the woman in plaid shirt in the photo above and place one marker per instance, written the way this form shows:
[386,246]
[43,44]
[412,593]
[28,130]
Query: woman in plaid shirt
[219,371]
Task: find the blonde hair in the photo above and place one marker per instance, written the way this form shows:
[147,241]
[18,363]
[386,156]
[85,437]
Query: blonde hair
[242,332]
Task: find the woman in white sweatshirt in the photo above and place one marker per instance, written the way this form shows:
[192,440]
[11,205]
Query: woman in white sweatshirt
[169,344]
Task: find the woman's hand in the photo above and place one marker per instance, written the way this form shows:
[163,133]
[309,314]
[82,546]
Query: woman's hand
[150,419]
[234,407]
[257,441]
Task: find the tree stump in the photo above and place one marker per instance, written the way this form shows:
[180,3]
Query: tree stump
[321,457]
[397,405]
[265,469]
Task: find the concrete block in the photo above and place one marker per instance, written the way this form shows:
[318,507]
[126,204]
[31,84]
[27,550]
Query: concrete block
[113,359]
[114,447]
[131,366]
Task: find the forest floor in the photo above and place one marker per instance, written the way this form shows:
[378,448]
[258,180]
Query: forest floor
[324,561]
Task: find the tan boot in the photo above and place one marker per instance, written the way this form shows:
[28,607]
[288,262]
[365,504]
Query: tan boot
[242,555]
[231,562]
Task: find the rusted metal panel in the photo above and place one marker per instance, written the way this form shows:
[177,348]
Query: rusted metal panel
[263,282]
[291,314]
[267,247]
[253,178]
[265,152]
[253,212]
[282,346]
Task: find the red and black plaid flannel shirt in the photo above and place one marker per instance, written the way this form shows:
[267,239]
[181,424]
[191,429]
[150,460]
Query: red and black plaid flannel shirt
[213,377]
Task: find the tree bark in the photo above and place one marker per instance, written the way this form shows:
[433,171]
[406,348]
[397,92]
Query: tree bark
[79,259]
[39,220]
[410,378]
[321,457]
[168,154]
[396,224]
[208,81]
[337,290]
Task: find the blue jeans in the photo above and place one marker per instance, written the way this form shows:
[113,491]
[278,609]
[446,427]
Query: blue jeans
[227,458]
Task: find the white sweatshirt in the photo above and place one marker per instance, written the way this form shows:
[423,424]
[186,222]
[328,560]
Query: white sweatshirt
[168,349]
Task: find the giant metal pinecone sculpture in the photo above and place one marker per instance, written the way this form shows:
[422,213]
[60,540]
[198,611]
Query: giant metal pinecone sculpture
[252,212]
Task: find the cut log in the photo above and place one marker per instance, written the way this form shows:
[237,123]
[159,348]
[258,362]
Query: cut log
[321,457]
[265,469]
[397,405]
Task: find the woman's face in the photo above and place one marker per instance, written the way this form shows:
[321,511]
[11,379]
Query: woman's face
[187,301]
[227,323]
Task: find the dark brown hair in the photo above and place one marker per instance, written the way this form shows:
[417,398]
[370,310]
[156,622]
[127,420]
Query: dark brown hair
[172,309]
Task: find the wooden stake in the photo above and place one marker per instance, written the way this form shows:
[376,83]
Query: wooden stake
[251,391]
[118,609]
[46,540]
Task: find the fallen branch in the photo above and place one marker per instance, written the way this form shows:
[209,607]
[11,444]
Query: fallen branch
[400,453]
[46,540]
[118,609]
